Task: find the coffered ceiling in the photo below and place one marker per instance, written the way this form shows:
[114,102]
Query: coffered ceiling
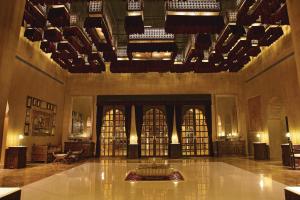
[209,35]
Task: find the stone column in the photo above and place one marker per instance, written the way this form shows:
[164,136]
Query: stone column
[133,146]
[294,17]
[11,14]
[175,148]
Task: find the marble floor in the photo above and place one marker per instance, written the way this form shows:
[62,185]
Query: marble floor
[204,179]
[33,172]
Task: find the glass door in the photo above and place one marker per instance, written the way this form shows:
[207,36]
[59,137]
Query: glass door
[154,138]
[113,134]
[195,137]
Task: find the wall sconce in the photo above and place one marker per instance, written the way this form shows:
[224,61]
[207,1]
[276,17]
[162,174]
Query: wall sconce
[21,137]
[288,135]
[258,135]
[7,108]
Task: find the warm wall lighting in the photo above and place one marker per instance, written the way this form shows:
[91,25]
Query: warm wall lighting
[222,134]
[288,135]
[7,108]
[258,136]
[133,139]
[21,137]
[234,134]
[175,138]
[102,176]
[152,55]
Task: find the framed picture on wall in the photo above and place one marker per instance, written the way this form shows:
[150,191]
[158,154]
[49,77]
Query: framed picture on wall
[39,118]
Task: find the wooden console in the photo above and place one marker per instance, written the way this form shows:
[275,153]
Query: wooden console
[230,148]
[44,153]
[15,157]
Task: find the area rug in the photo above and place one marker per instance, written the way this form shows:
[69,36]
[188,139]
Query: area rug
[154,172]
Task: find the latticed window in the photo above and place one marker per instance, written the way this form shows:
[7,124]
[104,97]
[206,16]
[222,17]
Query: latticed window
[194,5]
[113,133]
[152,33]
[73,19]
[134,5]
[231,17]
[95,7]
[195,137]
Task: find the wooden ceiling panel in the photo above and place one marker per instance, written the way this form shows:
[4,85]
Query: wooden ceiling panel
[81,37]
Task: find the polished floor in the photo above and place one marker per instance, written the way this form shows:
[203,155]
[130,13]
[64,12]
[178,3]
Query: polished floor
[32,173]
[204,179]
[211,173]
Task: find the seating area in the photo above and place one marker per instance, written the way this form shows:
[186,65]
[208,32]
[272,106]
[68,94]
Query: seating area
[44,153]
[69,157]
[53,153]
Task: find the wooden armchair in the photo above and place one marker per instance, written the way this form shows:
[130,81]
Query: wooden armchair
[293,156]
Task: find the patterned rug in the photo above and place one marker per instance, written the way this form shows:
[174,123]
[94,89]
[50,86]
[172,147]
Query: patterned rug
[154,172]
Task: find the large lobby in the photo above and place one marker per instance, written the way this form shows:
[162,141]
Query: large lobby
[149,99]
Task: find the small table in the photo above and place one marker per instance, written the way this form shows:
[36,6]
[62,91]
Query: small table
[15,157]
[292,193]
[261,151]
[10,193]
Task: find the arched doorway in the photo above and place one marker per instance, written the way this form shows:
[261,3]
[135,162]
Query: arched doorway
[113,139]
[154,137]
[276,127]
[195,137]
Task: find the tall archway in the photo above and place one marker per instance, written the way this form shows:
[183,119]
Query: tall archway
[113,133]
[195,137]
[154,137]
[276,127]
